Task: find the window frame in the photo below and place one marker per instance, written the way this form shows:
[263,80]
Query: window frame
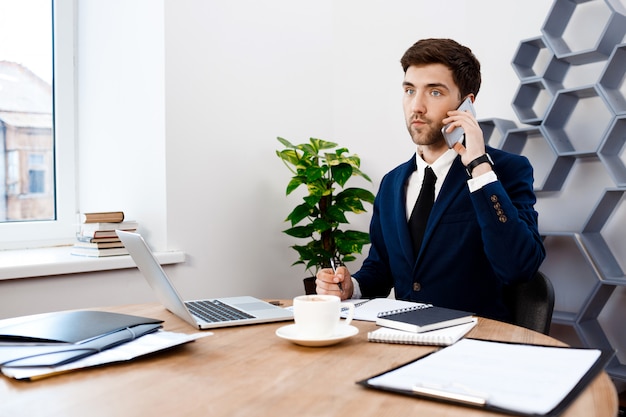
[42,233]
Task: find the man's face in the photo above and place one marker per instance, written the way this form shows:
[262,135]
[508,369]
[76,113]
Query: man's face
[429,93]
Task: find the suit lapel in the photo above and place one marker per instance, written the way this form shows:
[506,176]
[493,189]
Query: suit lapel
[400,209]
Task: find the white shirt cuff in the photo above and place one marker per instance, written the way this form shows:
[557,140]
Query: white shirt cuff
[356,292]
[479,182]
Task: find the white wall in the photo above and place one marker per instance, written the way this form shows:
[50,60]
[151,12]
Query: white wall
[240,73]
[121,111]
[181,101]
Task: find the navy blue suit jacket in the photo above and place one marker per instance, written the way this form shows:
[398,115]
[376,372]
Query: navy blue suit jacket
[474,243]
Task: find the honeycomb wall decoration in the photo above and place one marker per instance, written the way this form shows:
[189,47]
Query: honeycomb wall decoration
[571,104]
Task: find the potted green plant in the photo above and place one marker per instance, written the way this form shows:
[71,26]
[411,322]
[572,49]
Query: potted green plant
[324,169]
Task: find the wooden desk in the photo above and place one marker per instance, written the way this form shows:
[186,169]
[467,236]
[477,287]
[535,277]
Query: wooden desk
[249,371]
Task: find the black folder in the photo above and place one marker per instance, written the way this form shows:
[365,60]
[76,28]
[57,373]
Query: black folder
[67,326]
[59,338]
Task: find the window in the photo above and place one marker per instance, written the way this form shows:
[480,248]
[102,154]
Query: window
[37,184]
[36,175]
[37,113]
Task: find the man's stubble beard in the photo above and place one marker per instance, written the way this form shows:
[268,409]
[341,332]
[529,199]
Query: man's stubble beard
[430,138]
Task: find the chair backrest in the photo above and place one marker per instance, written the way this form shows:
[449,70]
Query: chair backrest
[531,303]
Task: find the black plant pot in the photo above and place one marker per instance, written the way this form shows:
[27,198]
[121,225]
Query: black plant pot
[309,286]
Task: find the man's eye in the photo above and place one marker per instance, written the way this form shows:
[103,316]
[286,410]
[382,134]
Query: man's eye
[436,93]
[409,91]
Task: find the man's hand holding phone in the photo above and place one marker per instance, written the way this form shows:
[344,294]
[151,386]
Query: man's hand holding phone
[460,124]
[456,135]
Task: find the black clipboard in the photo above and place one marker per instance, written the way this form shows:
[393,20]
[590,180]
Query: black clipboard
[475,401]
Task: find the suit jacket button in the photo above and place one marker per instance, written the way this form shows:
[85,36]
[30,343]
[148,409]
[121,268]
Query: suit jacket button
[494,198]
[503,219]
[416,286]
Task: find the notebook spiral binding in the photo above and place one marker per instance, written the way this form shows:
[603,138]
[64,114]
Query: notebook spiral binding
[403,310]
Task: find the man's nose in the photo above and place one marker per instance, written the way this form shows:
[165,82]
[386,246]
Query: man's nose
[417,105]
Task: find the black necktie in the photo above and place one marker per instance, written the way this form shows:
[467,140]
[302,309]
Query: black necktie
[421,211]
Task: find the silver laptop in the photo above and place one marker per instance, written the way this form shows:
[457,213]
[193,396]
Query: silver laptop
[203,314]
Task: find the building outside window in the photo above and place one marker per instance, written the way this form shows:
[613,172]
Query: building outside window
[26,111]
[26,105]
[37,119]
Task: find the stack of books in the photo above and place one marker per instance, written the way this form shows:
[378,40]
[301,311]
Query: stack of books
[97,236]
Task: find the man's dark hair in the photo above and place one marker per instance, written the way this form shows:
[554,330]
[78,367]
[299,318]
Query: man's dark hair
[460,59]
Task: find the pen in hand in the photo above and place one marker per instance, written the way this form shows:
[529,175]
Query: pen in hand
[334,266]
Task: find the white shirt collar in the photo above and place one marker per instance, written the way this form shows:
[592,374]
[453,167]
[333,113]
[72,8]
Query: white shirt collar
[440,167]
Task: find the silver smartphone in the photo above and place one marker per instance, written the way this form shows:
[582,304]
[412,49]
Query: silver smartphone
[457,134]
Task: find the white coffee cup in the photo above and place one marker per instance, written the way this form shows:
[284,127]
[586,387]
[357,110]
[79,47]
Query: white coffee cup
[317,316]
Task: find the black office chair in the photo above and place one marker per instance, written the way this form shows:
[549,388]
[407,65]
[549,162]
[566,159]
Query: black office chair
[531,303]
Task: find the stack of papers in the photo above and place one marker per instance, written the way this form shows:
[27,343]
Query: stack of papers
[46,344]
[144,345]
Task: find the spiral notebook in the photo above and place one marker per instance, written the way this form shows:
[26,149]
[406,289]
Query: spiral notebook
[423,318]
[368,309]
[440,337]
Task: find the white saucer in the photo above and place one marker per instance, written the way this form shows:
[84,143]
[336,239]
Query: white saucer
[290,333]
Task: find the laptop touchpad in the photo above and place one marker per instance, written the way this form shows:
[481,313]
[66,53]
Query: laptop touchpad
[254,306]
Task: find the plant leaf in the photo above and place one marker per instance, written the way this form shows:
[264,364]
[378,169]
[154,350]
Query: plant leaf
[314,173]
[321,225]
[360,193]
[320,144]
[289,156]
[312,199]
[285,142]
[294,183]
[341,173]
[356,171]
[298,213]
[300,231]
[336,214]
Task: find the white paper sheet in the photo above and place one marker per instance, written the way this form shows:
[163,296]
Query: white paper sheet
[523,378]
[143,345]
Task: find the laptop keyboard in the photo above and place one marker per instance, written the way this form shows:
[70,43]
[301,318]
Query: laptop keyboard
[214,311]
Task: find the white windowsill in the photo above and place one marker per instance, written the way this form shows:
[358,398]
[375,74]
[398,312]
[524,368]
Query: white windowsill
[28,263]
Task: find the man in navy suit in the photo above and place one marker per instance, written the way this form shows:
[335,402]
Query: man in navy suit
[482,232]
